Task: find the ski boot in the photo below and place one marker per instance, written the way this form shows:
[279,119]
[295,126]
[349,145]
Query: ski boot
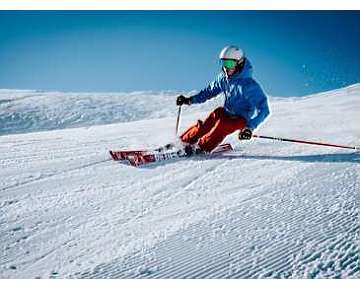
[192,149]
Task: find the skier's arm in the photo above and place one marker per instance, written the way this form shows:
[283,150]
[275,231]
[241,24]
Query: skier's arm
[259,101]
[213,89]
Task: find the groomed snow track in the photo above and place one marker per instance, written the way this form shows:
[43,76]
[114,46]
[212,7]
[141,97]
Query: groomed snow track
[269,209]
[279,234]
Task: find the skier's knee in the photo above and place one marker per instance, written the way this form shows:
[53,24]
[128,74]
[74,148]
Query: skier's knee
[218,112]
[199,124]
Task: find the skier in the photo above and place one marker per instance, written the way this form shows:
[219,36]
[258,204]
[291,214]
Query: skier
[245,108]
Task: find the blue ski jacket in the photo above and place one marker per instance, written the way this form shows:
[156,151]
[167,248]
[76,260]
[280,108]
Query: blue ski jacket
[243,96]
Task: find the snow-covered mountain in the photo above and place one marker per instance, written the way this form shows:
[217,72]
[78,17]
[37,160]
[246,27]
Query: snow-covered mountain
[269,209]
[30,111]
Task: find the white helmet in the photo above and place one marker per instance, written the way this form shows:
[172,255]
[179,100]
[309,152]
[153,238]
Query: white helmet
[231,52]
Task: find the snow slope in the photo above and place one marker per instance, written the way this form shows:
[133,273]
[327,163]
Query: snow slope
[30,111]
[269,209]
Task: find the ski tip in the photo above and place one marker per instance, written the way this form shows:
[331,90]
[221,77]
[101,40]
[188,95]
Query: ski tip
[112,155]
[222,148]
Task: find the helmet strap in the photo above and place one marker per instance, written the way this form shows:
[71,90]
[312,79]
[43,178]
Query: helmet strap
[224,70]
[240,65]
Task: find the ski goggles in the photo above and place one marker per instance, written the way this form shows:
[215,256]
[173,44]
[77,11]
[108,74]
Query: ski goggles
[228,63]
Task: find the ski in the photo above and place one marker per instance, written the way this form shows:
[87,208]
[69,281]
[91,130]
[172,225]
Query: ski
[142,158]
[123,154]
[148,157]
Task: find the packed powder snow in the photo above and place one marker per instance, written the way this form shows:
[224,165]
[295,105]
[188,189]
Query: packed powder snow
[268,209]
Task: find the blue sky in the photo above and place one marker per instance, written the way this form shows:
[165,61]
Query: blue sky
[293,52]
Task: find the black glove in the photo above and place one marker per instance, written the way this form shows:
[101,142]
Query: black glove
[245,134]
[181,100]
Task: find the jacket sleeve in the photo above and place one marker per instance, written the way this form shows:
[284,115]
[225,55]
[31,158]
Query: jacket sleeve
[259,103]
[213,89]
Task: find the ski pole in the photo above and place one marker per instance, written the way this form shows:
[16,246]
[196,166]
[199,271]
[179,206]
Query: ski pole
[307,142]
[178,121]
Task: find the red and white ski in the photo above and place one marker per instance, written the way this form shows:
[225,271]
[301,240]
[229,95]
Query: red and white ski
[123,154]
[141,157]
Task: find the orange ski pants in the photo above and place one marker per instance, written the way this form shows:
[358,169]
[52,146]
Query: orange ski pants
[213,130]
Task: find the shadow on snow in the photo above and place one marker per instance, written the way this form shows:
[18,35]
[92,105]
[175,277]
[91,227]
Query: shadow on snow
[314,158]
